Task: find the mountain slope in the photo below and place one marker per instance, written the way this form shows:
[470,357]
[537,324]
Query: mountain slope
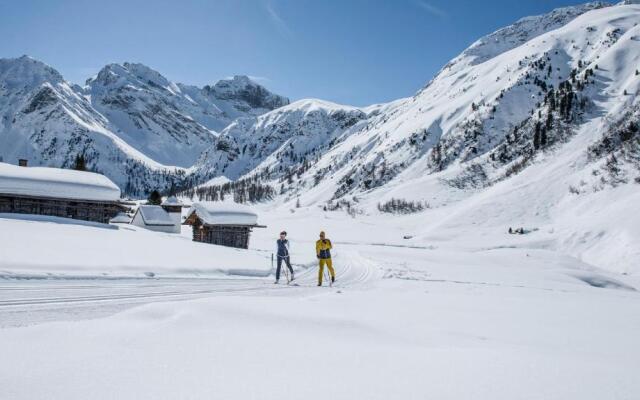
[279,139]
[142,106]
[499,112]
[538,133]
[172,123]
[49,122]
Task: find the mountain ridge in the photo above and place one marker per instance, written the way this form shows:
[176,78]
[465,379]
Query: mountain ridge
[129,121]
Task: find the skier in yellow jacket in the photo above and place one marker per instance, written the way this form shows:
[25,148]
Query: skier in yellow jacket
[323,251]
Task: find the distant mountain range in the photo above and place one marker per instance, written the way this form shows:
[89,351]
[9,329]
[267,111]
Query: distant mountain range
[129,121]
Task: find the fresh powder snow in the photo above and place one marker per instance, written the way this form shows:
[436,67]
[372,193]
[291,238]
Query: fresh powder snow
[56,182]
[485,230]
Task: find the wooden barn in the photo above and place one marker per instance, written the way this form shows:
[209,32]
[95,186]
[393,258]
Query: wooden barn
[223,224]
[163,218]
[58,192]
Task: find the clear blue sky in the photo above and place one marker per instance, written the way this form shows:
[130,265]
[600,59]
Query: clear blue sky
[351,51]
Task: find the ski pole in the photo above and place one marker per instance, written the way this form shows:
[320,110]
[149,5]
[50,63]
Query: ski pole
[328,276]
[286,269]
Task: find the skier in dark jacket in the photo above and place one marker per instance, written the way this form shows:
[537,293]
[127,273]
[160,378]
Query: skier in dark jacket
[283,254]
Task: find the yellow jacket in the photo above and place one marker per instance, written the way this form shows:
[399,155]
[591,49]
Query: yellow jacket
[323,247]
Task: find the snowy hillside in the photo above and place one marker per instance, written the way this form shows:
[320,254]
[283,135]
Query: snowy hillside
[519,33]
[546,110]
[504,110]
[519,91]
[279,139]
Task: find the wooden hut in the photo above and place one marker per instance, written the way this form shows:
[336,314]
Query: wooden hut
[167,217]
[222,224]
[58,192]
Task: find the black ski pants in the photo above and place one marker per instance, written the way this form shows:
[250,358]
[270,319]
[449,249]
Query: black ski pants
[286,260]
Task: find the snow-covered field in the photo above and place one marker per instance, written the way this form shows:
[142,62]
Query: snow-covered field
[41,247]
[443,303]
[449,319]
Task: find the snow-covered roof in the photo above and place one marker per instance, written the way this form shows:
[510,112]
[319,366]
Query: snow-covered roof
[212,213]
[172,201]
[57,183]
[154,215]
[120,218]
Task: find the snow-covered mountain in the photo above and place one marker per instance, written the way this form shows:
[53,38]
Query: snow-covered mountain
[280,139]
[49,122]
[149,113]
[516,93]
[533,125]
[171,122]
[236,98]
[130,122]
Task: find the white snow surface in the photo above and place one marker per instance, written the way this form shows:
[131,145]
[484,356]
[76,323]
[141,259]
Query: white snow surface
[405,319]
[56,182]
[76,249]
[442,303]
[171,201]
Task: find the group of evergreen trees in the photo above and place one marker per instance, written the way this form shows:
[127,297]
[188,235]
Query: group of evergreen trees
[401,206]
[343,204]
[243,191]
[615,138]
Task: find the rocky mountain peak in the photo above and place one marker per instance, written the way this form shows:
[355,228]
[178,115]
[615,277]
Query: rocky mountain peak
[136,74]
[26,72]
[241,88]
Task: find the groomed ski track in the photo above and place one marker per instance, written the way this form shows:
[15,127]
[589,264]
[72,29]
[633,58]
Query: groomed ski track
[60,299]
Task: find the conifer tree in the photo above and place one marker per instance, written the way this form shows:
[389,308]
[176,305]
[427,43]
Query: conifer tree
[154,198]
[80,164]
[536,136]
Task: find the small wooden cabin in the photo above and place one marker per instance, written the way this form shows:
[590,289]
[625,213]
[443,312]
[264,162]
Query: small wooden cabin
[58,192]
[222,224]
[166,217]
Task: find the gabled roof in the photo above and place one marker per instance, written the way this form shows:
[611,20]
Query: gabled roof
[172,201]
[211,213]
[56,183]
[154,216]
